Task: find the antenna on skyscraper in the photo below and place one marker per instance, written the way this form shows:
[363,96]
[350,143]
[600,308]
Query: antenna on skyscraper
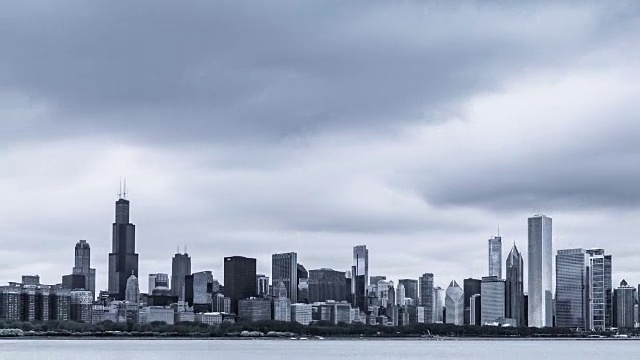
[125,188]
[498,230]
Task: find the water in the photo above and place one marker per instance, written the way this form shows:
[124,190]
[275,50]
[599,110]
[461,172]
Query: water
[316,349]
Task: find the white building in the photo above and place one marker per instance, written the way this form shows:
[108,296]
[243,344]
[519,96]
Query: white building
[454,303]
[282,309]
[152,314]
[540,274]
[301,313]
[214,318]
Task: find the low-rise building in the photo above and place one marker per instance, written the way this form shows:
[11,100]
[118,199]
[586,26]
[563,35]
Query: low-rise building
[301,313]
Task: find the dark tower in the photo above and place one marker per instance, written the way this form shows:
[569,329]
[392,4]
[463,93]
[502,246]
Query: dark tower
[239,279]
[123,260]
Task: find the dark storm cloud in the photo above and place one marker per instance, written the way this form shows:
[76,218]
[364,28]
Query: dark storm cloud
[220,69]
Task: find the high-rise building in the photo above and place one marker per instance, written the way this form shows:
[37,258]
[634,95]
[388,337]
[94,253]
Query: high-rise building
[158,281]
[180,268]
[327,284]
[475,310]
[262,282]
[599,290]
[581,288]
[239,280]
[281,310]
[471,287]
[426,297]
[540,271]
[81,305]
[360,276]
[82,266]
[410,289]
[199,290]
[438,305]
[284,267]
[454,304]
[514,291]
[123,260]
[492,295]
[572,289]
[495,257]
[625,297]
[608,288]
[132,290]
[303,284]
[400,295]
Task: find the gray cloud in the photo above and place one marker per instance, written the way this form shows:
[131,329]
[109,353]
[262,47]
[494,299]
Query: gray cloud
[212,70]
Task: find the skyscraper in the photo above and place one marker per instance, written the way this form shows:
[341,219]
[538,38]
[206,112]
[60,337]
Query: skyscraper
[438,304]
[239,279]
[495,257]
[572,289]
[82,266]
[284,267]
[540,312]
[180,267]
[599,289]
[454,304]
[303,284]
[400,295]
[471,287]
[360,274]
[410,289]
[625,297]
[123,260]
[492,295]
[514,296]
[327,284]
[426,297]
[132,290]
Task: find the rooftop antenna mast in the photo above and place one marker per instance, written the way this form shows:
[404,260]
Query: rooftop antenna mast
[120,189]
[125,188]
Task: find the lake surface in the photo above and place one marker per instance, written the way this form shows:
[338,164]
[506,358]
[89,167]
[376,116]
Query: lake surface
[317,349]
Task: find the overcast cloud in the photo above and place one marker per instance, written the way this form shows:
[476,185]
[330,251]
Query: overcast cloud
[248,128]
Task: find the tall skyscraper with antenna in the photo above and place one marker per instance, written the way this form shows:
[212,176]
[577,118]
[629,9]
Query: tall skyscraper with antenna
[123,260]
[180,268]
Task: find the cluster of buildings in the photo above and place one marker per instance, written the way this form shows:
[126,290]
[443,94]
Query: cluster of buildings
[584,297]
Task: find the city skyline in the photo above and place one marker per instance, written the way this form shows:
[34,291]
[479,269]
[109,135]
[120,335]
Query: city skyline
[123,217]
[416,128]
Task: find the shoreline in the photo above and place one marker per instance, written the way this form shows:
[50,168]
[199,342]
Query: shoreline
[354,338]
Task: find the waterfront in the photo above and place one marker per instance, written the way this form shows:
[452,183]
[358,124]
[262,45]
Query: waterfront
[365,349]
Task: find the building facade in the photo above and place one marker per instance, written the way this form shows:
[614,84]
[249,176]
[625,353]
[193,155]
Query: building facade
[254,309]
[83,266]
[327,284]
[239,280]
[426,297]
[123,259]
[180,268]
[540,256]
[514,290]
[454,304]
[492,293]
[360,276]
[284,268]
[495,257]
[410,289]
[599,289]
[625,297]
[471,287]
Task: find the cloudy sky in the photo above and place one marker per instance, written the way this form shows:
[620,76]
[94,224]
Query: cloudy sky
[248,128]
